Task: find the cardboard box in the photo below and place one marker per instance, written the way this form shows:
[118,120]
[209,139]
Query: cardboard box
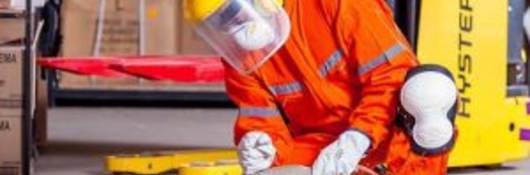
[10,109]
[19,4]
[80,21]
[166,33]
[189,41]
[161,27]
[10,81]
[41,111]
[12,29]
[4,4]
[11,149]
[120,35]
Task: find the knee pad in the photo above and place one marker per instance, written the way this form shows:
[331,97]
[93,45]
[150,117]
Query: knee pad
[428,104]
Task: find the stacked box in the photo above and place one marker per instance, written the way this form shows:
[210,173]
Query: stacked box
[189,41]
[12,29]
[10,109]
[166,33]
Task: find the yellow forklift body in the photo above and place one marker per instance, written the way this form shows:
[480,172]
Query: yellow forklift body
[470,38]
[521,105]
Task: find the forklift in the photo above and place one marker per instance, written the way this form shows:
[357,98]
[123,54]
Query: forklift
[481,42]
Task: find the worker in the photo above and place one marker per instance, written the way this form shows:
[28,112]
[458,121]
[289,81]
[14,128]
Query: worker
[317,83]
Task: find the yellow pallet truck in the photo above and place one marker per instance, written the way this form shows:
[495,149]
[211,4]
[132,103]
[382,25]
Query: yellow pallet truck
[205,162]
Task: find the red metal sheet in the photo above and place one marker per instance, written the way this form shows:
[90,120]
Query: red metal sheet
[187,68]
[83,65]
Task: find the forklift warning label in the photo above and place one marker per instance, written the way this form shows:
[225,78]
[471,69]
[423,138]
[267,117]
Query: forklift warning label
[465,56]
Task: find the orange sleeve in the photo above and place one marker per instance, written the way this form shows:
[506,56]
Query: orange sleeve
[371,40]
[257,111]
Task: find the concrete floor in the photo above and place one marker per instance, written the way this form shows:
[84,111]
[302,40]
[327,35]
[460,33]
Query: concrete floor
[80,138]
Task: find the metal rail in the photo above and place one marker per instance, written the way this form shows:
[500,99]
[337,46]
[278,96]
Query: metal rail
[27,74]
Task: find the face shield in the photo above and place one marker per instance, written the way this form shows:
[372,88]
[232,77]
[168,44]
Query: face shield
[245,32]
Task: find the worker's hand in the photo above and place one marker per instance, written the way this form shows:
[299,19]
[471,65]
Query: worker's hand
[342,156]
[256,152]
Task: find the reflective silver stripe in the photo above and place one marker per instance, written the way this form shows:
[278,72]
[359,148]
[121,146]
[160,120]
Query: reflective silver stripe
[330,63]
[381,59]
[286,88]
[259,112]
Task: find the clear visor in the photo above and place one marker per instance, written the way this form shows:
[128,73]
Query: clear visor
[246,32]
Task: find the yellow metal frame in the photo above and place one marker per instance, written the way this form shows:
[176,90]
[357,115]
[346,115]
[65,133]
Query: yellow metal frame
[519,105]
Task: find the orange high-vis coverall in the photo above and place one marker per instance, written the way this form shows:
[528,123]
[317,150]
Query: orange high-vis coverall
[341,69]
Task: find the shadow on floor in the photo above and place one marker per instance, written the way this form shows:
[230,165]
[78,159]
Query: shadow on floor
[482,169]
[76,148]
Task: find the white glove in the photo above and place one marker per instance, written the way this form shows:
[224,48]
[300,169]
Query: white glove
[256,152]
[342,156]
